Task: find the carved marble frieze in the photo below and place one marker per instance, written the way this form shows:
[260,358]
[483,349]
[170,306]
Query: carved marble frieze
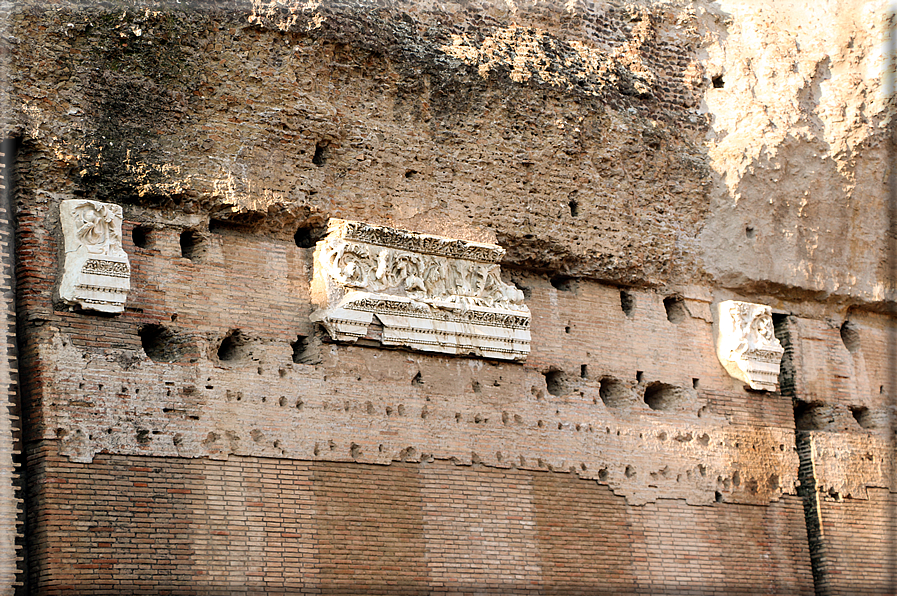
[746,344]
[96,274]
[427,292]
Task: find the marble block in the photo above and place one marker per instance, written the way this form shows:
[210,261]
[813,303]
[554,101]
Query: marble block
[96,274]
[746,344]
[426,292]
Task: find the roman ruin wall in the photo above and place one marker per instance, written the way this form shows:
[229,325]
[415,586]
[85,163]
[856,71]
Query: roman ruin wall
[616,316]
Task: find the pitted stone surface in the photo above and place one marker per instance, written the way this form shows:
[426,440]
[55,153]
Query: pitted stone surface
[628,156]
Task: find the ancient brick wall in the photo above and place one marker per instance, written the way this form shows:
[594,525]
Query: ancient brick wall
[104,393]
[211,439]
[858,535]
[149,525]
[574,414]
[842,412]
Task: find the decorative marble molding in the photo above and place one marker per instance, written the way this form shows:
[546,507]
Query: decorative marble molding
[429,293]
[96,274]
[746,344]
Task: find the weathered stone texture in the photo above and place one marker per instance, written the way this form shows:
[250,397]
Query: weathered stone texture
[575,405]
[423,292]
[799,147]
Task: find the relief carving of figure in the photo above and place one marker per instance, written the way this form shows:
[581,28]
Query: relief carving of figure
[96,227]
[411,281]
[424,277]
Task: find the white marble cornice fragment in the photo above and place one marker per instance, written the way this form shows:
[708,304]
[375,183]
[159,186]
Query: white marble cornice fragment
[96,273]
[746,343]
[428,292]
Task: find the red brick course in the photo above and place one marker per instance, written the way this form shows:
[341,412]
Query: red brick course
[144,525]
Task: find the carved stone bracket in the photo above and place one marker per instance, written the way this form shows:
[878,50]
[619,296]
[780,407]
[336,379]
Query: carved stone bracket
[96,274]
[428,293]
[746,344]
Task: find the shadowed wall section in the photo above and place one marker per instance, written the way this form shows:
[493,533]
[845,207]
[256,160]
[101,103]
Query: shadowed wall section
[10,531]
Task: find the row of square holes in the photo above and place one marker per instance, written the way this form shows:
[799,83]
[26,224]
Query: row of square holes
[191,240]
[306,237]
[674,305]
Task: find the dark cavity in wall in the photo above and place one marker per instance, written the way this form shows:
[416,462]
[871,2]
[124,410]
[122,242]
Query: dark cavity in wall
[321,153]
[676,309]
[163,344]
[850,336]
[192,245]
[563,283]
[232,347]
[556,382]
[614,393]
[861,415]
[304,350]
[812,415]
[308,236]
[660,396]
[142,236]
[627,303]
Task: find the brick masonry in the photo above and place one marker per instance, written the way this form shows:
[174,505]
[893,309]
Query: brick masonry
[283,496]
[841,388]
[11,513]
[145,525]
[103,407]
[377,406]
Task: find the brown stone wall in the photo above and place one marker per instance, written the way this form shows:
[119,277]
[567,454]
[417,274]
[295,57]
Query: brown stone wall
[843,413]
[101,408]
[152,525]
[578,403]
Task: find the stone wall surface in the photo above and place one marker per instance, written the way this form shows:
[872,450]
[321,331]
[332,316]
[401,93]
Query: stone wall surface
[638,162]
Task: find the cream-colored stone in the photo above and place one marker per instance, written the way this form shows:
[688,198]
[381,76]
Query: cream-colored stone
[846,464]
[430,293]
[746,344]
[797,143]
[96,274]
